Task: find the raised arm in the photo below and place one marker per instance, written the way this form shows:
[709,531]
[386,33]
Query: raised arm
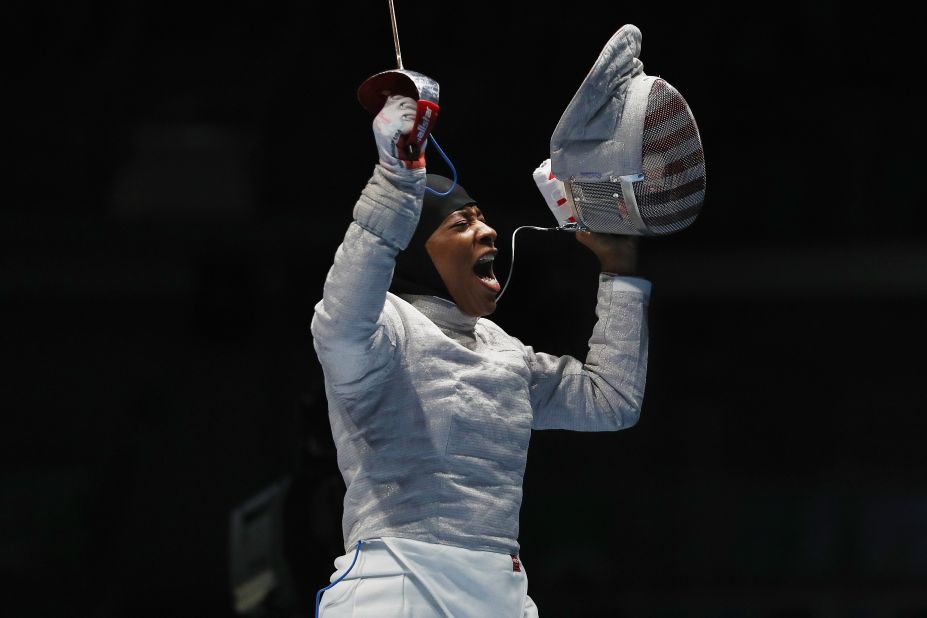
[352,336]
[606,392]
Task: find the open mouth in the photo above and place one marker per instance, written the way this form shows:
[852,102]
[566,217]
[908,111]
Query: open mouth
[483,270]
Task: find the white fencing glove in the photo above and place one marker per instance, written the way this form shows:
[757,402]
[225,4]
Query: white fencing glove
[395,120]
[555,194]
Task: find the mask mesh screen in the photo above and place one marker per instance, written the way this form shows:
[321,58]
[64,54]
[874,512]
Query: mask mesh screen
[600,207]
[670,196]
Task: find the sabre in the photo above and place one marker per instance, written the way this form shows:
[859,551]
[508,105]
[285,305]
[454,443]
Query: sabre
[372,95]
[373,92]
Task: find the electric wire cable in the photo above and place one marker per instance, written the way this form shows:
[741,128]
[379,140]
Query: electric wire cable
[570,227]
[449,164]
[318,595]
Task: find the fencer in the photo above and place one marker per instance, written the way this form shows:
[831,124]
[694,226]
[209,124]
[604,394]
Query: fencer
[432,404]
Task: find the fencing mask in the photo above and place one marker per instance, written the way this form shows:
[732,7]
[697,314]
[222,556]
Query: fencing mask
[627,149]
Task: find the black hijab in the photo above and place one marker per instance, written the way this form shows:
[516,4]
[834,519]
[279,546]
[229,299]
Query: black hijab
[415,273]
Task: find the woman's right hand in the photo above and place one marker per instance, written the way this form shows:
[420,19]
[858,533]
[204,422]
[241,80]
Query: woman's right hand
[395,120]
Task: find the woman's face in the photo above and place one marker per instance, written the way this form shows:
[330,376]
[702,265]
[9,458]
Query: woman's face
[462,249]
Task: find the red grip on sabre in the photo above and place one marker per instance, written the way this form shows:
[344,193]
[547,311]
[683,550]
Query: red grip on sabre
[410,146]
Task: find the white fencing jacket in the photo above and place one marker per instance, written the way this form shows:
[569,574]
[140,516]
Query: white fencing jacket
[431,410]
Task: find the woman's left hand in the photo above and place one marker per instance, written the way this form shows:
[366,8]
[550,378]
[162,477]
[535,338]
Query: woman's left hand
[617,254]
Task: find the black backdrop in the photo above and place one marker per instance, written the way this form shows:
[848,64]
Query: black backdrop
[180,174]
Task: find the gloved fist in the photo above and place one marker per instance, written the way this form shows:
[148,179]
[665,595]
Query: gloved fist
[395,120]
[555,194]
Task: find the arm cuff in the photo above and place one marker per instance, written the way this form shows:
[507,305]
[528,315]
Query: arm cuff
[629,284]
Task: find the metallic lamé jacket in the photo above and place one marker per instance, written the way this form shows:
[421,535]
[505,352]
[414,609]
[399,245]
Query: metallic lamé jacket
[431,410]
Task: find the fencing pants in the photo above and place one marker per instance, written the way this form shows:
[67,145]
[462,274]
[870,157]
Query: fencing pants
[414,579]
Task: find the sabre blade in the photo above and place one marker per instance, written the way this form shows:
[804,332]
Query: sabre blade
[392,19]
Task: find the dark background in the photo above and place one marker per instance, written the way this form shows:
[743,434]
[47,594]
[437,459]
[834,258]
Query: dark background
[180,174]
